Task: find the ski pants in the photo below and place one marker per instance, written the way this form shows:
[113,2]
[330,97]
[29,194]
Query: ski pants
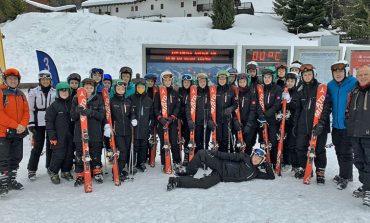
[199,137]
[303,142]
[173,136]
[344,152]
[224,137]
[123,144]
[202,157]
[62,156]
[272,131]
[11,154]
[95,150]
[248,140]
[39,140]
[140,147]
[289,151]
[185,134]
[361,149]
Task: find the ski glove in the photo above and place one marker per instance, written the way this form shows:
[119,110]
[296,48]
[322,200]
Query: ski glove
[317,130]
[134,122]
[262,122]
[211,125]
[171,119]
[107,131]
[32,129]
[162,121]
[53,142]
[237,126]
[286,96]
[229,111]
[191,125]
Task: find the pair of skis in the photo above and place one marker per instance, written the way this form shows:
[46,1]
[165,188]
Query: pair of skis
[261,100]
[240,143]
[166,138]
[153,149]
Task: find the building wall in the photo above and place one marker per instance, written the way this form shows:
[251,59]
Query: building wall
[171,8]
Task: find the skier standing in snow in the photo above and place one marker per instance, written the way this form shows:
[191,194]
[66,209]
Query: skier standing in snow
[59,129]
[142,120]
[358,128]
[14,117]
[97,75]
[39,99]
[74,80]
[171,121]
[95,114]
[226,103]
[305,104]
[233,73]
[126,76]
[226,167]
[184,97]
[122,117]
[281,70]
[339,88]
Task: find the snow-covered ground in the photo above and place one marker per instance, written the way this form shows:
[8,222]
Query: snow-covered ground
[79,41]
[284,199]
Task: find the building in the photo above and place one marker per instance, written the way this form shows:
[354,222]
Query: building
[43,6]
[158,8]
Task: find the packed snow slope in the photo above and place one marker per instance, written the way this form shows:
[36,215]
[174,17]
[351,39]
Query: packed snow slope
[79,41]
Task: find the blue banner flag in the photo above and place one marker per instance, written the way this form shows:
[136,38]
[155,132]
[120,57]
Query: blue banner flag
[46,63]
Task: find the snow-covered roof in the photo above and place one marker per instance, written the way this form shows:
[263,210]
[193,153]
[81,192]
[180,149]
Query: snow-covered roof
[50,8]
[91,3]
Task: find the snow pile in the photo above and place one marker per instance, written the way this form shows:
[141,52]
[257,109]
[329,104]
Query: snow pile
[79,41]
[262,5]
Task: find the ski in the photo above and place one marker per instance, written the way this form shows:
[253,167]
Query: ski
[212,94]
[166,138]
[267,145]
[193,106]
[112,141]
[281,137]
[82,101]
[320,98]
[240,143]
[153,149]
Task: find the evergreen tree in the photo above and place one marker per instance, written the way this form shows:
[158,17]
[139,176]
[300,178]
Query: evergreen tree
[279,6]
[19,7]
[7,10]
[223,16]
[354,19]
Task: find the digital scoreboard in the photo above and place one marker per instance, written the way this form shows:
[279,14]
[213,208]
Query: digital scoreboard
[265,56]
[188,59]
[356,57]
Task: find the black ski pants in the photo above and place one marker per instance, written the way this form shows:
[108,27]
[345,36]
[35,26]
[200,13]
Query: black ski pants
[303,142]
[140,147]
[39,140]
[344,151]
[11,154]
[62,156]
[361,149]
[95,150]
[123,144]
[173,137]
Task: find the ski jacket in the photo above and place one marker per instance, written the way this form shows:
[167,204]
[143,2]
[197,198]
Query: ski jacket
[142,107]
[225,99]
[305,104]
[13,110]
[130,89]
[95,120]
[38,102]
[184,98]
[237,167]
[357,120]
[339,95]
[247,107]
[122,114]
[173,104]
[203,106]
[58,121]
[272,100]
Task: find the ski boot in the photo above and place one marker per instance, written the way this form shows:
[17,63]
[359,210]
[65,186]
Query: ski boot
[67,176]
[49,172]
[123,176]
[359,192]
[172,183]
[32,175]
[299,173]
[3,184]
[366,198]
[342,184]
[293,171]
[12,183]
[320,176]
[98,175]
[181,172]
[141,167]
[79,179]
[54,177]
[285,168]
[177,167]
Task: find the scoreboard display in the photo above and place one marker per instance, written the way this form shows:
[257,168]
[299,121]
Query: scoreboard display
[265,56]
[188,60]
[357,57]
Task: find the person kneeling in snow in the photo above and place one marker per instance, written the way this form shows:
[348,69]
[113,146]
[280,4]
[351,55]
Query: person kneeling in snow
[226,167]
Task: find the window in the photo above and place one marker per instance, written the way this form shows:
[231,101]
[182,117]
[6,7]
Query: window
[182,4]
[152,7]
[194,3]
[136,8]
[99,11]
[117,10]
[161,6]
[132,8]
[188,15]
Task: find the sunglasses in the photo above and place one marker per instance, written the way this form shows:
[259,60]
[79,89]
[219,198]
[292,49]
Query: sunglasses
[306,67]
[338,66]
[97,71]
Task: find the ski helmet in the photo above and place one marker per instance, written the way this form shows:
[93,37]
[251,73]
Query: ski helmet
[232,71]
[11,72]
[201,76]
[252,65]
[151,76]
[292,75]
[108,77]
[259,152]
[280,66]
[140,81]
[242,76]
[340,65]
[166,74]
[44,74]
[88,81]
[223,73]
[96,71]
[307,67]
[74,76]
[62,85]
[295,65]
[188,77]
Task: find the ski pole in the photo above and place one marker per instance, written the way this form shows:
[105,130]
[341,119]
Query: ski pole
[105,161]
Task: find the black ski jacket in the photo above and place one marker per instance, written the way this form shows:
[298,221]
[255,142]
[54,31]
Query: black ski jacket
[122,114]
[225,99]
[142,107]
[203,106]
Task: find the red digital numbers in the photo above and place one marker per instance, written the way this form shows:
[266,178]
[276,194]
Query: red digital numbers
[266,55]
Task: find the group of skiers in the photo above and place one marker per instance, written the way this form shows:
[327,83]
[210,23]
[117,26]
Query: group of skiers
[214,127]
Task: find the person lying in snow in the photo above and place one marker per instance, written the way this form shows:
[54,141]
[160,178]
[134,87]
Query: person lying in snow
[226,167]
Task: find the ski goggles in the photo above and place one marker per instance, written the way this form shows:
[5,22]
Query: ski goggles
[187,77]
[95,71]
[242,76]
[260,152]
[167,76]
[121,83]
[202,76]
[44,75]
[64,90]
[126,70]
[338,66]
[251,67]
[306,67]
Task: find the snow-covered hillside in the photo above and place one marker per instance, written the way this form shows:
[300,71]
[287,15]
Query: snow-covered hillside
[79,41]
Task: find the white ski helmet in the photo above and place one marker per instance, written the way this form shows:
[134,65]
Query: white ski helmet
[251,65]
[165,73]
[44,74]
[341,64]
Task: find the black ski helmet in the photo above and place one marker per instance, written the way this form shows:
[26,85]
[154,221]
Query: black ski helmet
[74,76]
